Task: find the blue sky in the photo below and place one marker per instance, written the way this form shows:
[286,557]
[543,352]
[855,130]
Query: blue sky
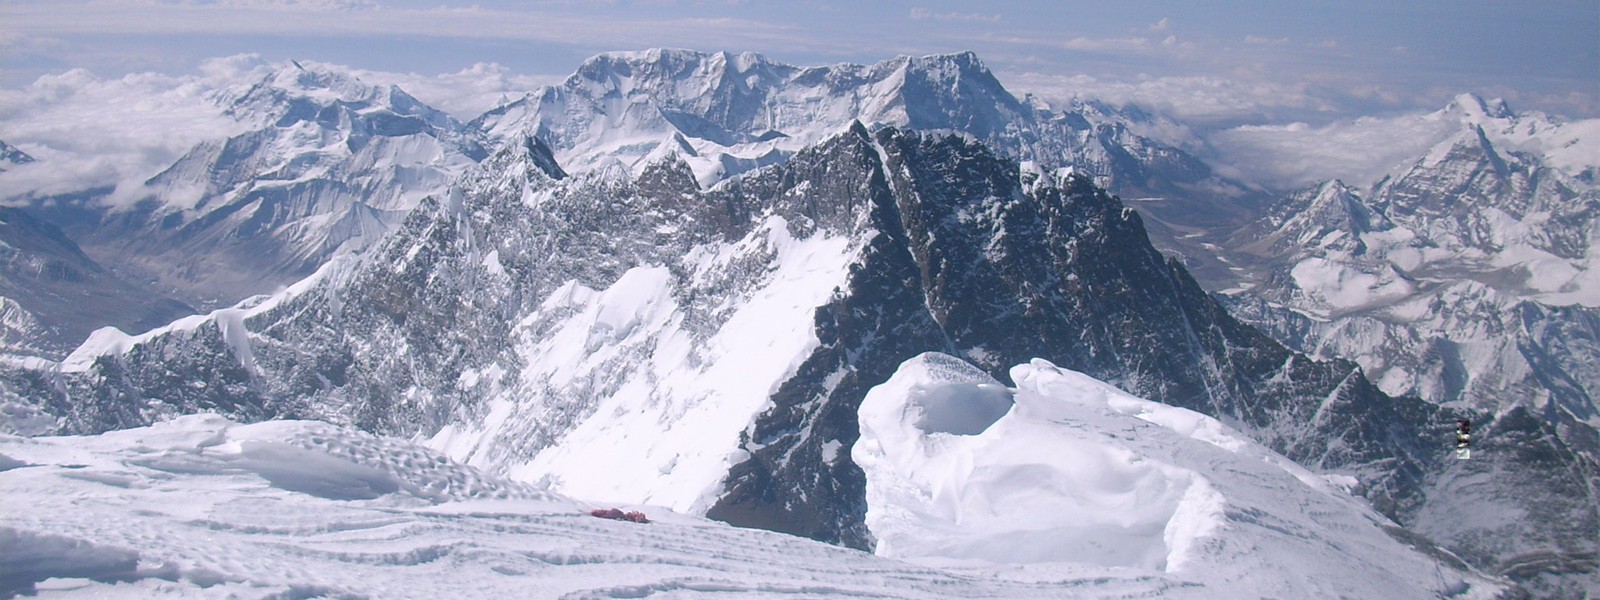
[1225,62]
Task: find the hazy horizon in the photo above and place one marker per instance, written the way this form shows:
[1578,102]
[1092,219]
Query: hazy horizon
[1239,62]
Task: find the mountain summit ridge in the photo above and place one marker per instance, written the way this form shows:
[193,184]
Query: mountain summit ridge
[740,109]
[535,308]
[519,321]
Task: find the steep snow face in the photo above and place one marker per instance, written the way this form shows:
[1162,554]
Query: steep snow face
[1064,468]
[694,390]
[202,507]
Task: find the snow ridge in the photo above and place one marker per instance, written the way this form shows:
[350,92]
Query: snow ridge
[1078,471]
[202,507]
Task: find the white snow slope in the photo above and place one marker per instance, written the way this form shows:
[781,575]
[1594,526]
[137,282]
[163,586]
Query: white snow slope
[1065,468]
[656,411]
[203,507]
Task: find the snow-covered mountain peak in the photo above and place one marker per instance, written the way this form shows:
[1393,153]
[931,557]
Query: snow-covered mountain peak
[519,170]
[661,72]
[267,94]
[674,149]
[667,169]
[717,82]
[962,69]
[11,156]
[1472,108]
[729,114]
[1570,147]
[294,92]
[322,82]
[528,152]
[650,69]
[1330,216]
[323,163]
[1340,206]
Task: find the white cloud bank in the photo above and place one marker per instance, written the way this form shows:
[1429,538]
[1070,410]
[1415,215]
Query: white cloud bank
[1358,152]
[1198,98]
[88,132]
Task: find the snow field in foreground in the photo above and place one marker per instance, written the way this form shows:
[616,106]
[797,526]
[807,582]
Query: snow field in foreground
[202,507]
[1066,469]
[1060,487]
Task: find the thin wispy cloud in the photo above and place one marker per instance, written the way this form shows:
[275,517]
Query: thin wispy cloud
[303,18]
[294,5]
[1265,41]
[1199,98]
[1358,152]
[923,14]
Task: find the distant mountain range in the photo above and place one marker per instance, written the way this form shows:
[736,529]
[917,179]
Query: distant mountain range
[1467,277]
[328,164]
[673,278]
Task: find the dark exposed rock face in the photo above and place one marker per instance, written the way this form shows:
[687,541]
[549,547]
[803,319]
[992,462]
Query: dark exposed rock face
[972,261]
